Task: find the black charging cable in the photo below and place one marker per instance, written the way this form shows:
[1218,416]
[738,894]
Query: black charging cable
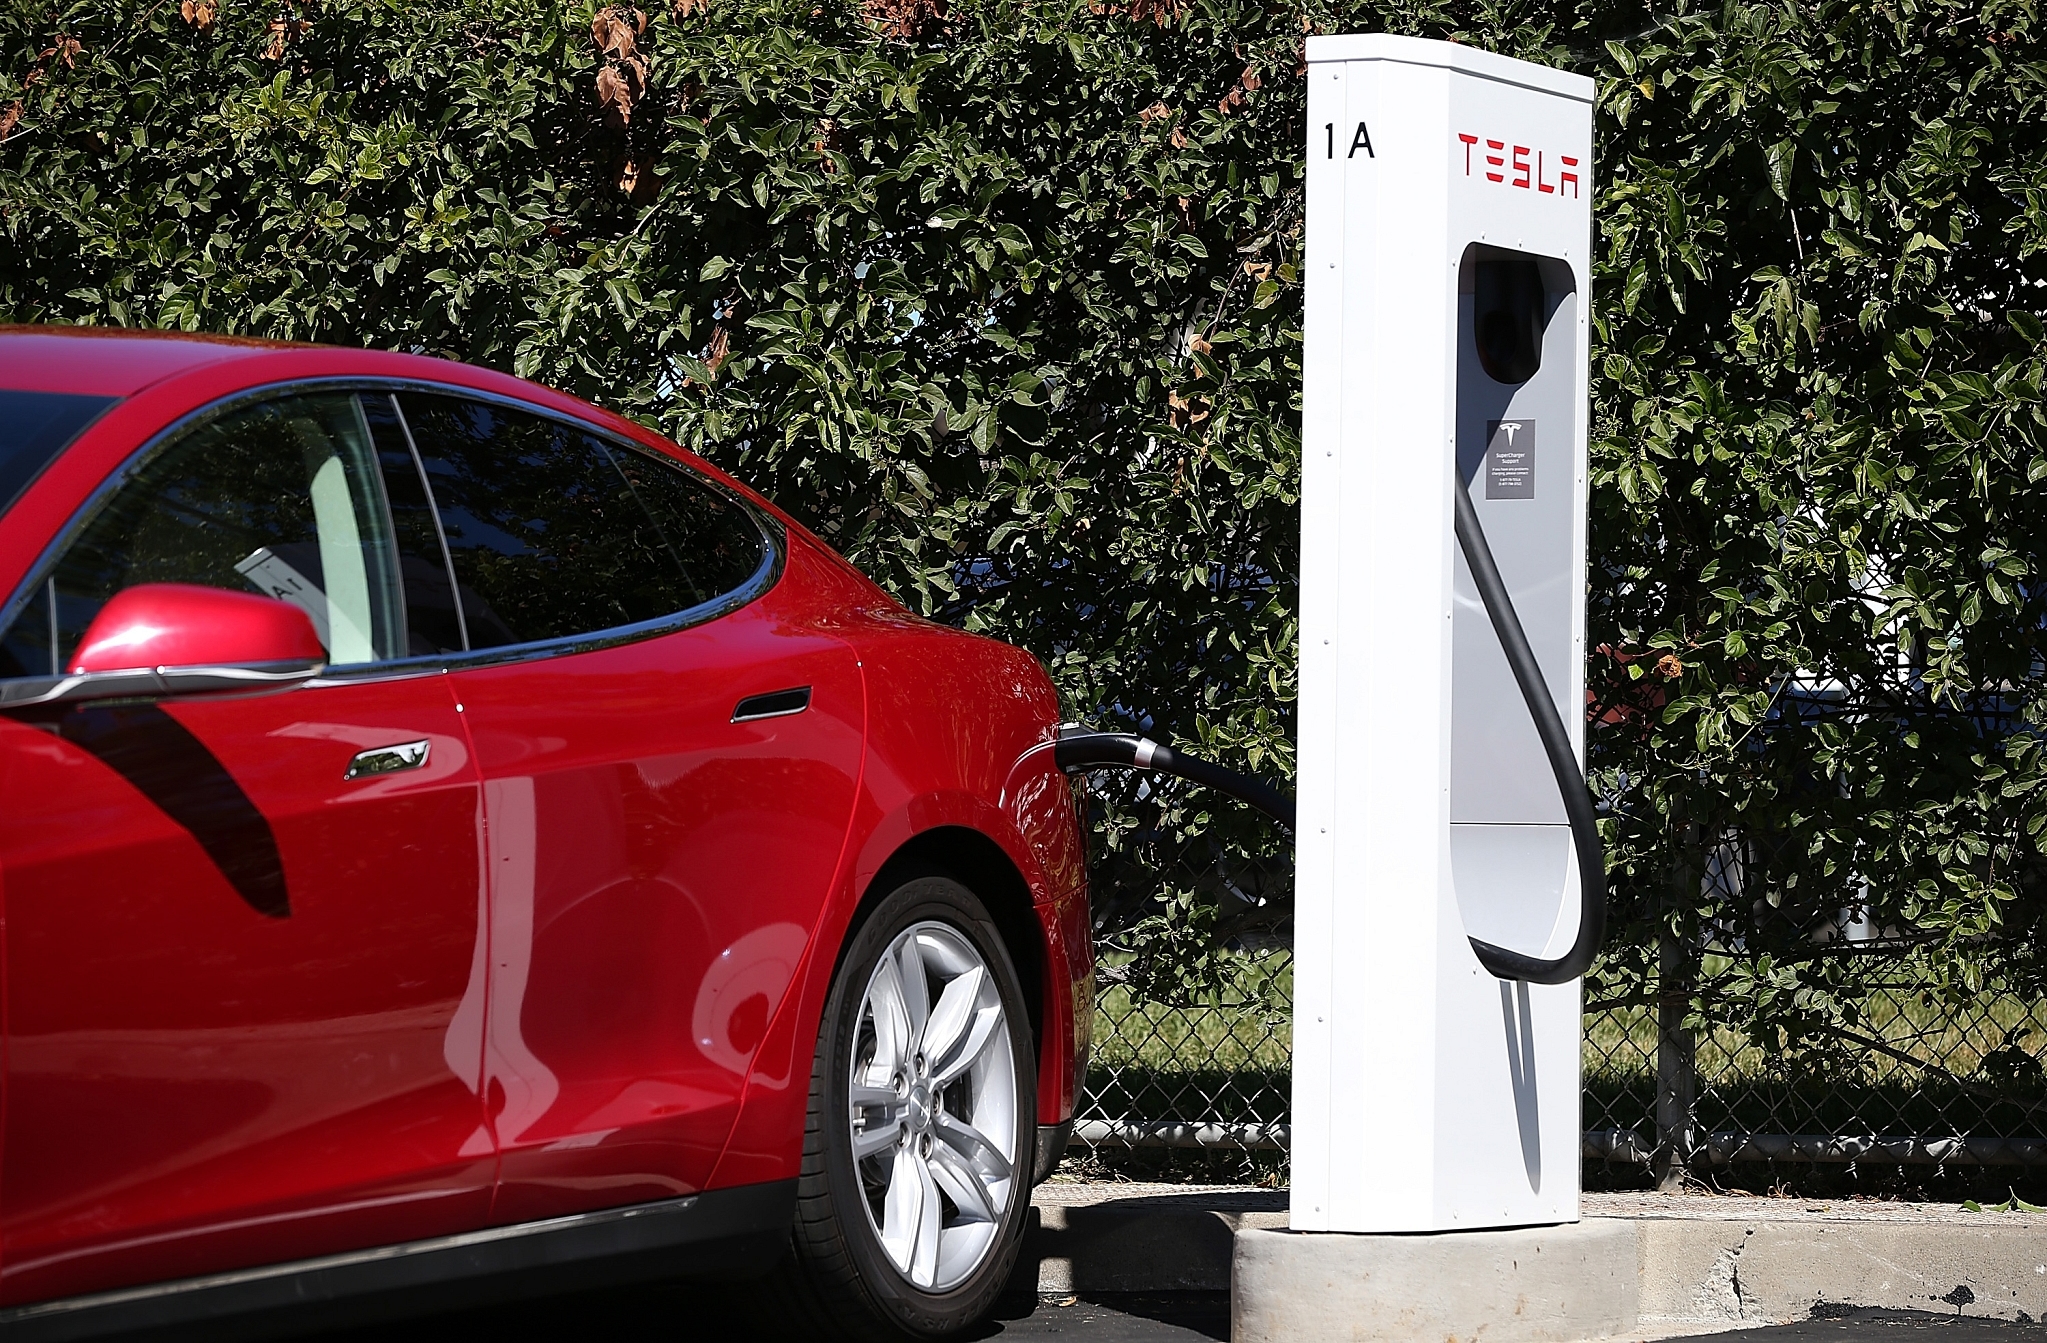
[1502,962]
[1078,749]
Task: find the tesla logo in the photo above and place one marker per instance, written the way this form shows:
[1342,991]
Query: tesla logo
[1510,165]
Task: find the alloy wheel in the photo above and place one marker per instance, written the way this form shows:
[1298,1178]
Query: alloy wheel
[933,1106]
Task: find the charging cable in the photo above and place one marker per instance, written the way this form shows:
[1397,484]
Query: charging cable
[1079,750]
[1502,962]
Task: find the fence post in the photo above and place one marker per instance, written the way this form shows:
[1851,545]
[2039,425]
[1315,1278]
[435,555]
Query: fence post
[1676,1051]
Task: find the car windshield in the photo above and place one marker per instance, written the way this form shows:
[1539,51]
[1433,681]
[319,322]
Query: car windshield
[34,427]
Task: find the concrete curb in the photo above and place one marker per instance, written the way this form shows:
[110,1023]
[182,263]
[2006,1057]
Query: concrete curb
[1604,1277]
[1771,1272]
[1668,1266]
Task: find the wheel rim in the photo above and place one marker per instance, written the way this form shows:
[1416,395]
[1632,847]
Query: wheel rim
[933,1104]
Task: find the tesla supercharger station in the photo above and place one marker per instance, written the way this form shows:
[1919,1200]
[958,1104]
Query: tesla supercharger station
[1447,273]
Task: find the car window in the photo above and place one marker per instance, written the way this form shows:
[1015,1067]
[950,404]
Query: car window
[281,498]
[716,543]
[34,427]
[547,536]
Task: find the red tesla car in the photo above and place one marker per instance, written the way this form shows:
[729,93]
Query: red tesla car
[453,841]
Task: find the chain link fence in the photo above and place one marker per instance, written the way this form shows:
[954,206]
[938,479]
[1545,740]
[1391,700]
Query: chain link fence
[1910,1075]
[1210,1071]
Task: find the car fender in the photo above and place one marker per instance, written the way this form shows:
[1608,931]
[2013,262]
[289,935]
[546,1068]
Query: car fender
[942,753]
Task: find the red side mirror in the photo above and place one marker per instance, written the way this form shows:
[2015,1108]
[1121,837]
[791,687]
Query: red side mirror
[182,625]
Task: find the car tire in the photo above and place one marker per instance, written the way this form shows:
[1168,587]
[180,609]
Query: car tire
[918,1150]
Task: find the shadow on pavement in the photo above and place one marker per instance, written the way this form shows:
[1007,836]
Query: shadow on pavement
[1114,1317]
[672,1313]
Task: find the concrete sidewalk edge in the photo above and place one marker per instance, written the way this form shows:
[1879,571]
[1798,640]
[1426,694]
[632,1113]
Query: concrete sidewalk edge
[1607,1277]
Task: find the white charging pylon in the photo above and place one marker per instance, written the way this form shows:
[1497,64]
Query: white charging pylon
[1447,274]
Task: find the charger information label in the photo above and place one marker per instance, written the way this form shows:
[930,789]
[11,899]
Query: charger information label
[1510,459]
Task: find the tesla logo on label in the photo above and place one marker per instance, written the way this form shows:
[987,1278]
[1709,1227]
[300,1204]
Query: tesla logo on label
[1510,459]
[1510,165]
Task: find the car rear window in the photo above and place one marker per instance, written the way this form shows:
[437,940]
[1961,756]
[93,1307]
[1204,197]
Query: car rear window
[553,532]
[34,427]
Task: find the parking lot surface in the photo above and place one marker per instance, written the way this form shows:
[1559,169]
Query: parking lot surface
[668,1313]
[1892,1326]
[671,1314]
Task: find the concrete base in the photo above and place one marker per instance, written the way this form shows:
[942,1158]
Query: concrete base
[1711,1272]
[1540,1284]
[1607,1276]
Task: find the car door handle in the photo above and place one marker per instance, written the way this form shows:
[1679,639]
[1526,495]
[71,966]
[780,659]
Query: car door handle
[387,760]
[774,704]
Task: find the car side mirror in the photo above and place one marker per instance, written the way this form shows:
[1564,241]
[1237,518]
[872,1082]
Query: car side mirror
[180,639]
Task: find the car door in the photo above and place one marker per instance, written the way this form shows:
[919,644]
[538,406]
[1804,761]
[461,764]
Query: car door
[244,967]
[668,756]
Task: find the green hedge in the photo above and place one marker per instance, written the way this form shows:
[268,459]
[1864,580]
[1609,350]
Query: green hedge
[1002,297]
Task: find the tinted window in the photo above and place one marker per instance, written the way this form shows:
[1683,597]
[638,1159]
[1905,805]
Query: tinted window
[547,537]
[34,427]
[280,498]
[433,624]
[716,543]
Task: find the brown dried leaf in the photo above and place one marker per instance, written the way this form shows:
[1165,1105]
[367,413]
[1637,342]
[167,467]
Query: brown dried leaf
[200,14]
[718,350]
[1669,668]
[10,119]
[685,8]
[1179,137]
[638,180]
[1185,411]
[617,95]
[903,20]
[1156,112]
[616,29]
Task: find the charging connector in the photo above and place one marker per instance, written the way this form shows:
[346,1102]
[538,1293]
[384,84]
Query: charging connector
[1079,749]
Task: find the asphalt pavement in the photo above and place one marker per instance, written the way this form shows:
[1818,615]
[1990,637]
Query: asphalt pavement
[1892,1326]
[673,1314]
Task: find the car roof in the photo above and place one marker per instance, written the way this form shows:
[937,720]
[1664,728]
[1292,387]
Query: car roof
[110,361]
